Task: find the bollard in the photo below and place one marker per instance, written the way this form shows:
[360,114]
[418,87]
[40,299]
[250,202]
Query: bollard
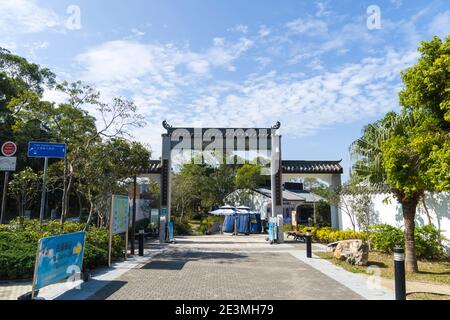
[141,242]
[399,265]
[308,244]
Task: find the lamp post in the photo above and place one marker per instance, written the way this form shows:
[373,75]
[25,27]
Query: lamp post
[308,244]
[399,266]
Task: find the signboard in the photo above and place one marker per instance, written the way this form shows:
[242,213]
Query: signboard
[46,150]
[278,191]
[120,213]
[154,216]
[8,163]
[9,149]
[165,182]
[272,232]
[58,257]
[119,221]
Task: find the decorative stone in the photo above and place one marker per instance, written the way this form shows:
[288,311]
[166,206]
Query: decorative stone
[355,252]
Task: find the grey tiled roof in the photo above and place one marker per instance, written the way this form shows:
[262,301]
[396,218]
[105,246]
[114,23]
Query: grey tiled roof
[288,166]
[311,166]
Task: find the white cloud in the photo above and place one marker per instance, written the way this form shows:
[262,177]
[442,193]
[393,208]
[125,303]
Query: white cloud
[304,106]
[179,84]
[137,32]
[264,31]
[239,28]
[440,25]
[308,26]
[397,3]
[26,16]
[322,10]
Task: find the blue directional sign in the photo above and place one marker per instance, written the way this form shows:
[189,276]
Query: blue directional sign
[46,150]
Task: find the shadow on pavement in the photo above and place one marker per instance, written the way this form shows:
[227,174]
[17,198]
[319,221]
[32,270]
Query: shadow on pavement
[215,242]
[177,260]
[105,290]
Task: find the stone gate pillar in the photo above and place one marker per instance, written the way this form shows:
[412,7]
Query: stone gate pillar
[276,173]
[334,210]
[166,187]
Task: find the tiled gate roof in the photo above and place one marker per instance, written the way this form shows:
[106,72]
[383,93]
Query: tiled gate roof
[288,166]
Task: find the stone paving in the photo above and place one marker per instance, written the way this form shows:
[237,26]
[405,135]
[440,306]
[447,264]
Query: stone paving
[226,267]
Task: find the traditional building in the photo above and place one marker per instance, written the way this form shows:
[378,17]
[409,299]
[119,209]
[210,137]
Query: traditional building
[294,174]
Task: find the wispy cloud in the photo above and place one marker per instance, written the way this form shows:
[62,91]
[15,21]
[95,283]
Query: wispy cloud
[26,16]
[308,26]
[440,25]
[241,28]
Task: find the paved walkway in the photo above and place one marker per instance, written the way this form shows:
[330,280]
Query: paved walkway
[227,267]
[222,267]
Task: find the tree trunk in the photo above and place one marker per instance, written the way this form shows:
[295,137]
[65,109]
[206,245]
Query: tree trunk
[409,212]
[80,206]
[66,201]
[21,213]
[91,210]
[426,211]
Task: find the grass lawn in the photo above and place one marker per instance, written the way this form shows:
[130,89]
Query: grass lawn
[430,271]
[427,296]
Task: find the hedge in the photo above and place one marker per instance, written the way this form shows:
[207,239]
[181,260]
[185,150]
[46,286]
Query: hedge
[18,245]
[383,237]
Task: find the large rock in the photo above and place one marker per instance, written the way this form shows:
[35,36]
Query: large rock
[352,251]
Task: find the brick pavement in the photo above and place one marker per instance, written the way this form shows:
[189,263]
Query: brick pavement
[225,267]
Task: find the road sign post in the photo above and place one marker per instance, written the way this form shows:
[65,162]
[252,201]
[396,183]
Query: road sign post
[44,187]
[7,163]
[9,149]
[5,189]
[45,150]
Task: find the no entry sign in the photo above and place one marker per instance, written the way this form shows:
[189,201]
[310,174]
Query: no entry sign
[9,149]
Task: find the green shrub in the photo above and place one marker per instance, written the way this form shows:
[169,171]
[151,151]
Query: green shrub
[17,256]
[18,245]
[328,235]
[288,227]
[182,228]
[429,240]
[385,238]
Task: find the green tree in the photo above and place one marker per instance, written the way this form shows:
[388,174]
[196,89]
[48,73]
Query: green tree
[104,169]
[184,194]
[22,81]
[71,122]
[248,176]
[24,188]
[427,94]
[388,158]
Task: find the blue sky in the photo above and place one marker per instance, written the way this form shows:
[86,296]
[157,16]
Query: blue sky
[313,65]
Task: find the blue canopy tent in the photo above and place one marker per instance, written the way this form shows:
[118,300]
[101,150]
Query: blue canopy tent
[243,221]
[227,212]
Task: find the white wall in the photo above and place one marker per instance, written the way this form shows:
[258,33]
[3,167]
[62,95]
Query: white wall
[390,212]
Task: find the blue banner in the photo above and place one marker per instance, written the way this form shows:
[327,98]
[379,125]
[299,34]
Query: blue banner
[58,258]
[272,232]
[46,150]
[171,226]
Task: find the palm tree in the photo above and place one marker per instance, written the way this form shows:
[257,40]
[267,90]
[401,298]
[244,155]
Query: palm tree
[382,163]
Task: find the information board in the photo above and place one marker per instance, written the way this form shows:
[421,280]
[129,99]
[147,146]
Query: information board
[120,214]
[58,257]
